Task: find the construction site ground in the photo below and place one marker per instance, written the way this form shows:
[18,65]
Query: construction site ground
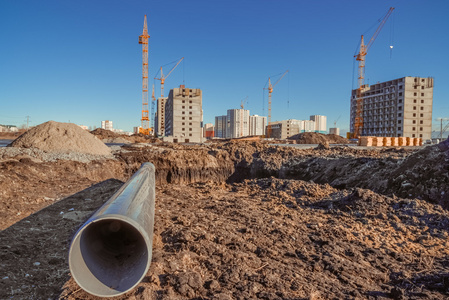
[240,220]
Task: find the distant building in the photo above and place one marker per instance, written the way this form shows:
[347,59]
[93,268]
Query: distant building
[84,127]
[208,130]
[398,108]
[136,129]
[257,125]
[220,126]
[288,128]
[159,118]
[2,129]
[107,125]
[184,115]
[334,131]
[320,123]
[237,123]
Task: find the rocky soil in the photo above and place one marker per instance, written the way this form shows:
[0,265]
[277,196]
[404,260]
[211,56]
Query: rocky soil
[241,220]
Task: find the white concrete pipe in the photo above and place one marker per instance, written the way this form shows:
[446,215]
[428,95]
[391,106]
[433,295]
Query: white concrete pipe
[111,253]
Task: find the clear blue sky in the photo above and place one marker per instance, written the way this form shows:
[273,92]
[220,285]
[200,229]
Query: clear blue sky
[80,61]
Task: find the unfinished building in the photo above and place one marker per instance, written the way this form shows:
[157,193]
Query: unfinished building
[159,118]
[396,108]
[184,116]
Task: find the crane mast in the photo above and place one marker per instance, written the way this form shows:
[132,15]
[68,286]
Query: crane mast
[163,77]
[270,90]
[143,39]
[360,57]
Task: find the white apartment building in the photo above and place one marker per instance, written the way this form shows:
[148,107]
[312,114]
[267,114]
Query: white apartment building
[257,125]
[320,123]
[220,126]
[107,125]
[401,107]
[237,123]
[184,115]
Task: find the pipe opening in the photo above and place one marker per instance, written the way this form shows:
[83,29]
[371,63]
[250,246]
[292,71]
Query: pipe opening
[109,257]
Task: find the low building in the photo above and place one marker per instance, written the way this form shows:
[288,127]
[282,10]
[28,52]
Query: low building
[107,124]
[208,130]
[334,130]
[183,116]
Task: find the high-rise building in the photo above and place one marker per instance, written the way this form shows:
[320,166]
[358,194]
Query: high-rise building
[320,123]
[107,125]
[237,123]
[220,126]
[184,115]
[398,108]
[257,125]
[159,118]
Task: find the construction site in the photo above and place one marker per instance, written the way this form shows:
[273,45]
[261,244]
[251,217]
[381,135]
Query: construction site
[267,211]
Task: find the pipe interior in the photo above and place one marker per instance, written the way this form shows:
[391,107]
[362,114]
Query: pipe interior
[114,254]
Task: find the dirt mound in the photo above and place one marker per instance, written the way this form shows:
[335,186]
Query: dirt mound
[318,138]
[103,133]
[61,137]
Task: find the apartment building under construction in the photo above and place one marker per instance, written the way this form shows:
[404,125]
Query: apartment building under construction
[184,116]
[396,108]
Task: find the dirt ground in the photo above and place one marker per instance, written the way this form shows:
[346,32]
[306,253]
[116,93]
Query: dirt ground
[242,220]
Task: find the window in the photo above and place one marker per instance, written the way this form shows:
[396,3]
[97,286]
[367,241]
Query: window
[415,87]
[400,108]
[422,80]
[400,100]
[422,87]
[183,112]
[399,115]
[413,128]
[400,94]
[183,129]
[190,101]
[183,118]
[190,112]
[400,87]
[422,101]
[420,128]
[422,94]
[422,107]
[190,134]
[420,135]
[414,107]
[183,123]
[416,79]
[421,122]
[414,115]
[399,128]
[414,121]
[190,129]
[421,115]
[190,118]
[183,107]
[413,135]
[399,121]
[414,100]
[190,107]
[415,94]
[183,101]
[190,124]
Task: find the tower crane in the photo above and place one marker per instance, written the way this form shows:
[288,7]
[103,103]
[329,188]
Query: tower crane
[153,100]
[143,39]
[242,103]
[360,57]
[270,90]
[163,77]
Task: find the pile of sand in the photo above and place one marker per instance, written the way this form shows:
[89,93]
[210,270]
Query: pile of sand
[318,138]
[61,137]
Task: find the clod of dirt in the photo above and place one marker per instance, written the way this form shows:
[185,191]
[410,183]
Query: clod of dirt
[323,146]
[61,137]
[318,138]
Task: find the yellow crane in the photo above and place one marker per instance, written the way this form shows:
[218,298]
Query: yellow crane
[360,57]
[143,39]
[163,77]
[270,90]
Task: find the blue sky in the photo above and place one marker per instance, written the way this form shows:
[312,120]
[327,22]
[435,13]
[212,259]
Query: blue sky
[80,61]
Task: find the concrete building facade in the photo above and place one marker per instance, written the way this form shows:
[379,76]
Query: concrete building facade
[159,118]
[184,115]
[287,128]
[257,125]
[107,125]
[220,126]
[397,108]
[237,123]
[334,130]
[320,123]
[208,130]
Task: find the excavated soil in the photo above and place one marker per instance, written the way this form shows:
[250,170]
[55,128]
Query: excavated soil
[108,136]
[318,138]
[242,220]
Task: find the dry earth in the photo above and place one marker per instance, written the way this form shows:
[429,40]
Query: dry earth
[242,220]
